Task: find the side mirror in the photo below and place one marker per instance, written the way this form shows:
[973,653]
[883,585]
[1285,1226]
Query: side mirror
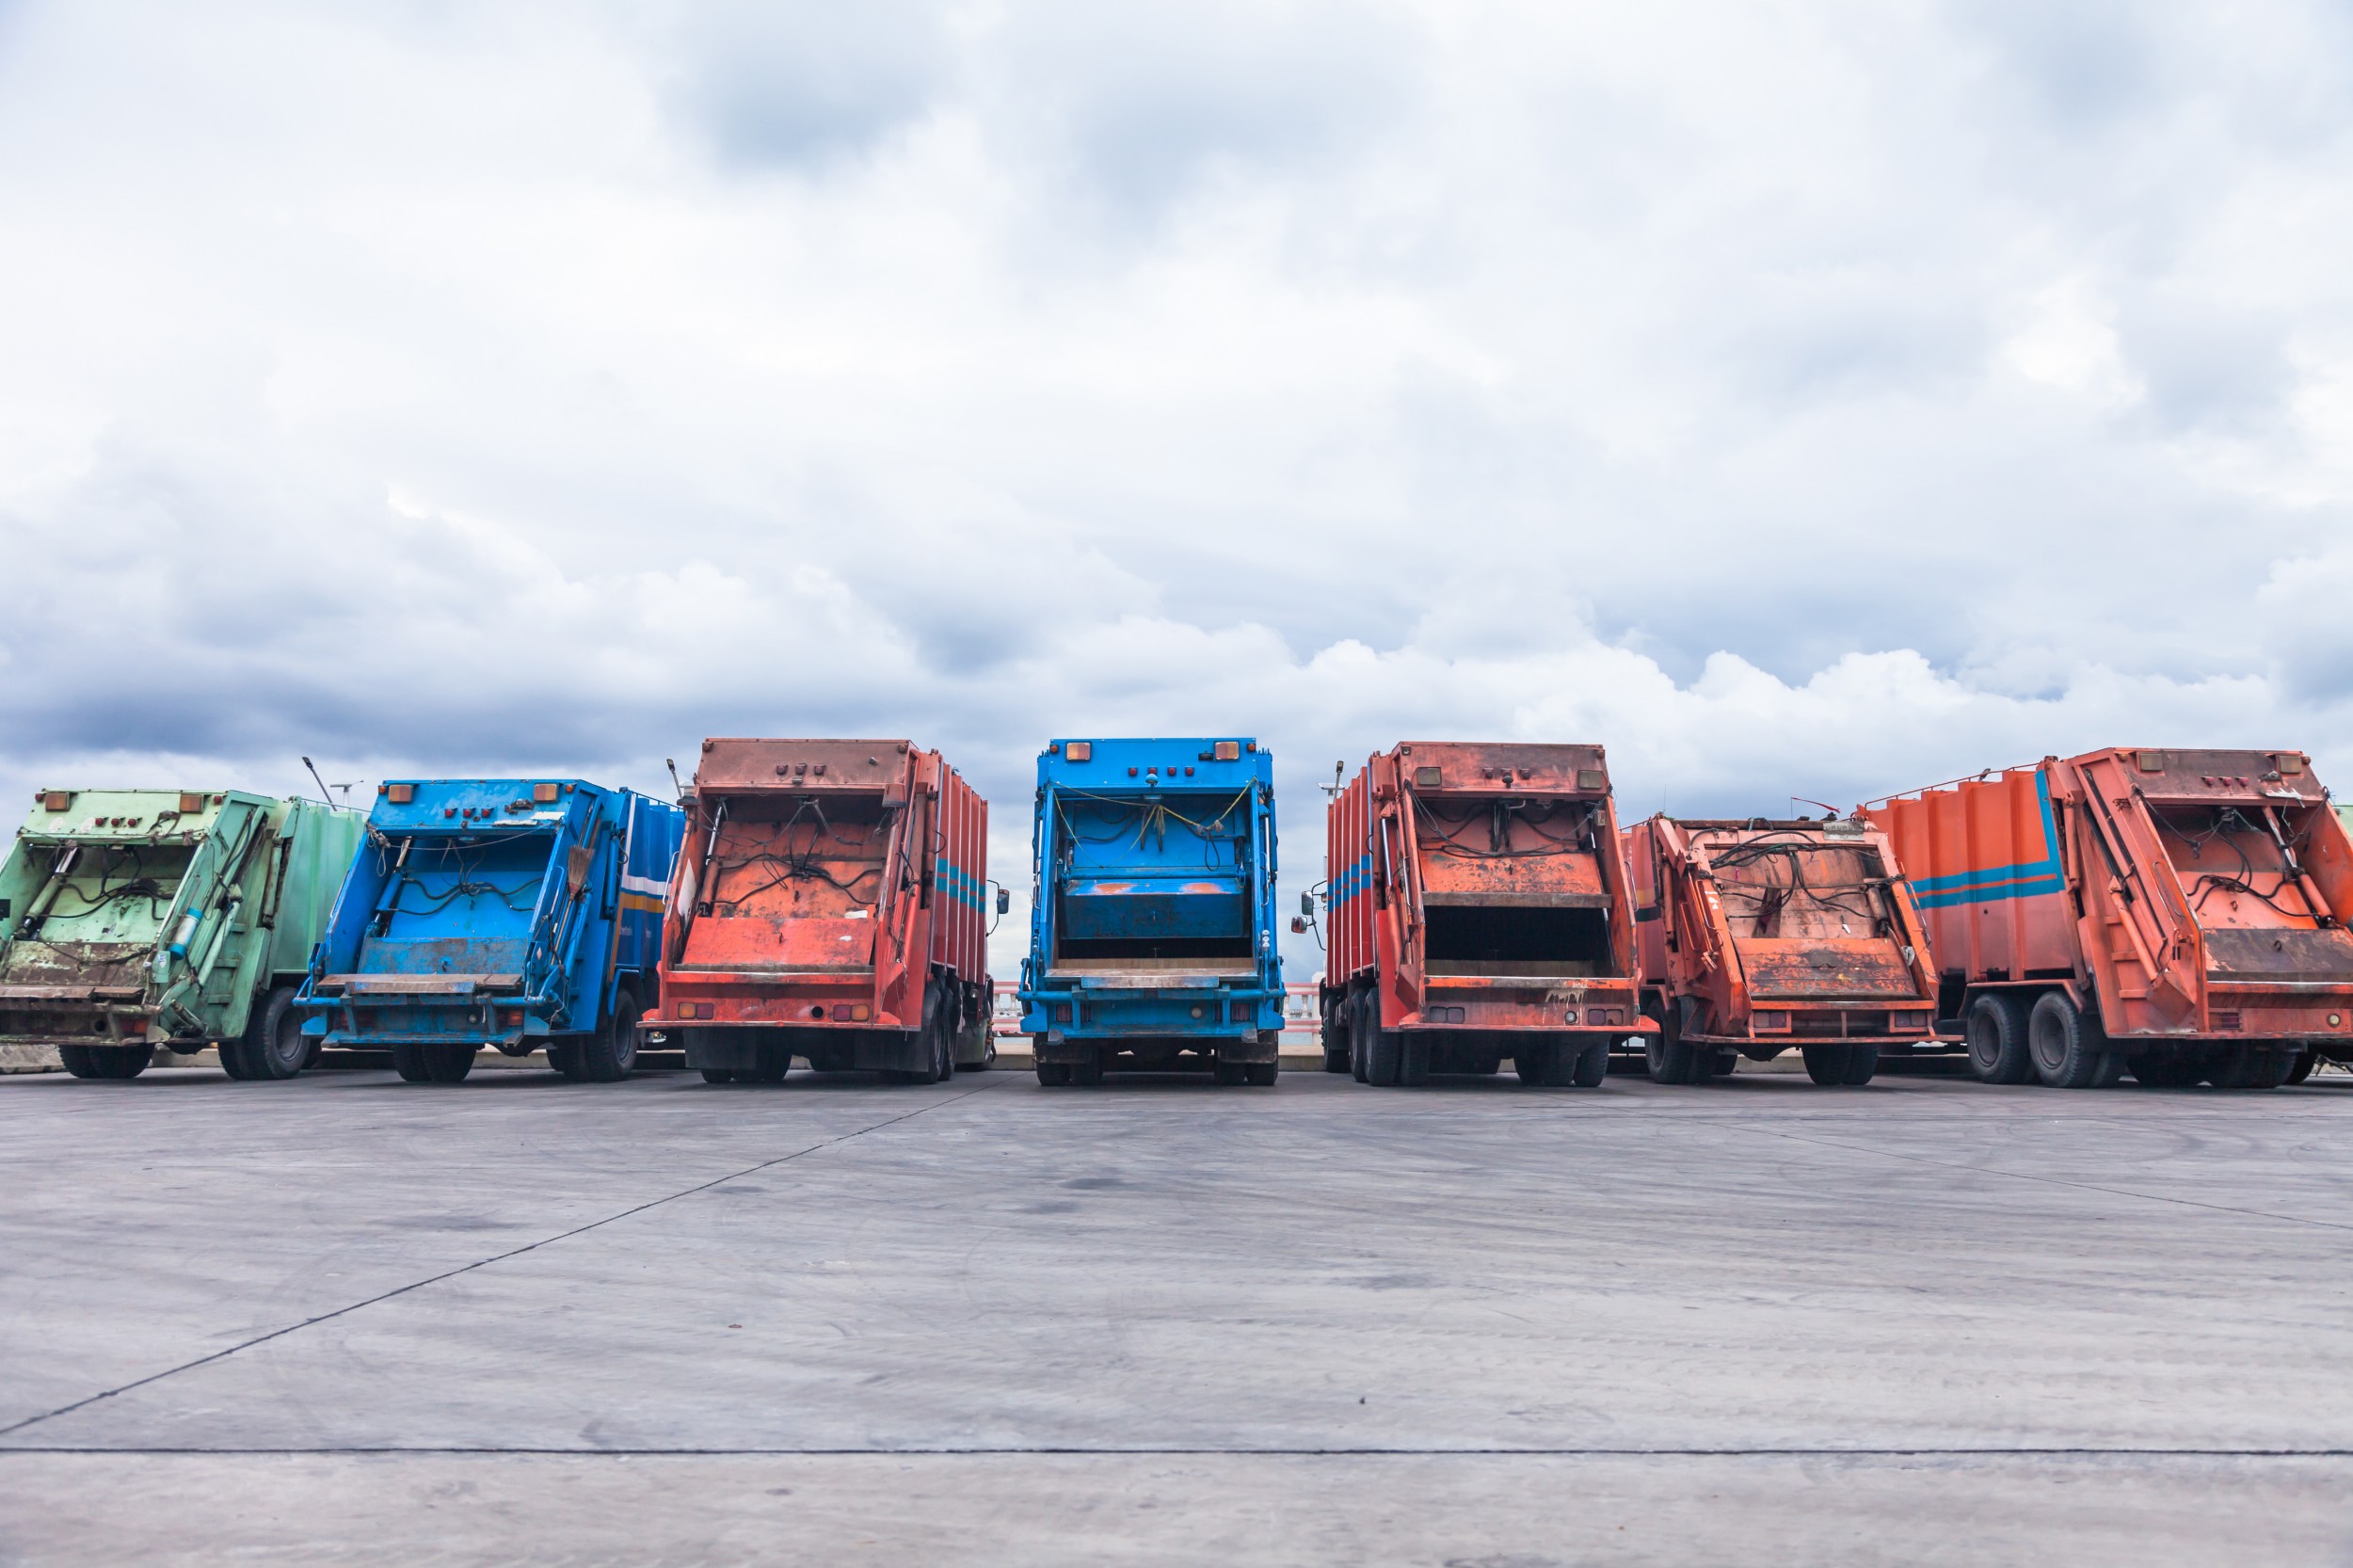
[1307,904]
[1005,900]
[1299,926]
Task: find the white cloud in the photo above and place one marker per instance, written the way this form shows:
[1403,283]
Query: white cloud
[1800,400]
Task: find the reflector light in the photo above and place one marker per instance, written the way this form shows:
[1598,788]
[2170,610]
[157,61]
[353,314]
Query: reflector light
[2289,766]
[544,793]
[1570,1017]
[851,1013]
[400,794]
[1428,778]
[1765,1022]
[1912,1021]
[2150,761]
[1242,1010]
[191,804]
[512,1017]
[1592,778]
[1228,751]
[1081,751]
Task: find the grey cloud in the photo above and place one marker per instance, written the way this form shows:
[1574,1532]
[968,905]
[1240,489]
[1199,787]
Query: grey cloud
[802,83]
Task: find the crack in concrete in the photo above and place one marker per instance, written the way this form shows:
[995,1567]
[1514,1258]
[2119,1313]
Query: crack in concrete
[453,1273]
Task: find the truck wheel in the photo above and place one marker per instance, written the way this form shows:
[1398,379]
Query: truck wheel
[1350,1018]
[433,1063]
[1825,1061]
[2067,1047]
[2158,1069]
[606,1056]
[2305,1062]
[1670,1060]
[718,1075]
[1863,1065]
[1383,1049]
[1593,1065]
[1412,1061]
[1088,1073]
[273,1047]
[118,1061]
[1263,1074]
[1233,1074]
[774,1064]
[1998,1039]
[1054,1075]
[1537,1061]
[2252,1068]
[564,1056]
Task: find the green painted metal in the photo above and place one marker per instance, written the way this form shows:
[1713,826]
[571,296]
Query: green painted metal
[161,917]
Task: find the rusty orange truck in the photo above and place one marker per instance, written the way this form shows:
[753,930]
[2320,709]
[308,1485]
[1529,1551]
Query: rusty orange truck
[829,904]
[1476,909]
[1760,935]
[2177,915]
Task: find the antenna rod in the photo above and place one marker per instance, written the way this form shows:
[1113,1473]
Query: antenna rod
[324,796]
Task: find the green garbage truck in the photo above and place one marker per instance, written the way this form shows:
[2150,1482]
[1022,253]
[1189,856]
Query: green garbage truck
[139,920]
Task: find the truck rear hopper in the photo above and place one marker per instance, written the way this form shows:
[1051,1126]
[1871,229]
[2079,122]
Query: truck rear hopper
[1477,910]
[1759,935]
[2176,914]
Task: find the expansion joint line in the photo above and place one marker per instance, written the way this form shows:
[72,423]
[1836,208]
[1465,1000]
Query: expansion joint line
[478,1263]
[1987,1450]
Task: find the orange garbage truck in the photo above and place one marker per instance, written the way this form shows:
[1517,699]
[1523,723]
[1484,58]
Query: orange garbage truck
[2174,914]
[1477,910]
[830,903]
[1760,935]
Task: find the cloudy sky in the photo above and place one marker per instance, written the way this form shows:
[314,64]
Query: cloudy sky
[1812,400]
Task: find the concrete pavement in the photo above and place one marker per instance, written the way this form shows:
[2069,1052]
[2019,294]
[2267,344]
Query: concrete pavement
[349,1320]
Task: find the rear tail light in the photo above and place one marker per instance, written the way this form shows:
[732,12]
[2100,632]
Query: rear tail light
[2226,1021]
[1913,1020]
[1242,1012]
[852,1012]
[1079,751]
[511,1017]
[1767,1022]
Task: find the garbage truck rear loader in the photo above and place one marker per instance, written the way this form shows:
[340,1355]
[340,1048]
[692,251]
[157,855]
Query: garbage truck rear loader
[1477,910]
[139,920]
[1759,935]
[2179,915]
[830,903]
[512,913]
[1152,929]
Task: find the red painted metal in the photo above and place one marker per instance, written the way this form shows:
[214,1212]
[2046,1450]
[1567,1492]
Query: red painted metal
[1762,934]
[827,893]
[1475,888]
[2180,895]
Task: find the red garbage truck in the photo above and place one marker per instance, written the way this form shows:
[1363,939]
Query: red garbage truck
[1760,935]
[830,903]
[1477,910]
[2177,915]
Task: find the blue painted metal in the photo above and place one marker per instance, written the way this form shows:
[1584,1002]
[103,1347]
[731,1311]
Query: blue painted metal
[483,911]
[1153,910]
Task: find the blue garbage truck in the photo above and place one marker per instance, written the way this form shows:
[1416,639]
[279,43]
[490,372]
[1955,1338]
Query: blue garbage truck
[513,913]
[1152,912]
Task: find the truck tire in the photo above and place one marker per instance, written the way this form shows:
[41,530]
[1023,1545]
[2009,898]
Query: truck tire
[2162,1069]
[1716,1064]
[1054,1075]
[564,1056]
[1350,1018]
[1592,1065]
[1826,1061]
[607,1055]
[1233,1074]
[1384,1050]
[1337,1053]
[115,1062]
[273,1047]
[1412,1061]
[2066,1046]
[2250,1067]
[1998,1039]
[774,1064]
[1263,1074]
[1088,1073]
[718,1075]
[1863,1065]
[1670,1060]
[433,1063]
[2305,1062]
